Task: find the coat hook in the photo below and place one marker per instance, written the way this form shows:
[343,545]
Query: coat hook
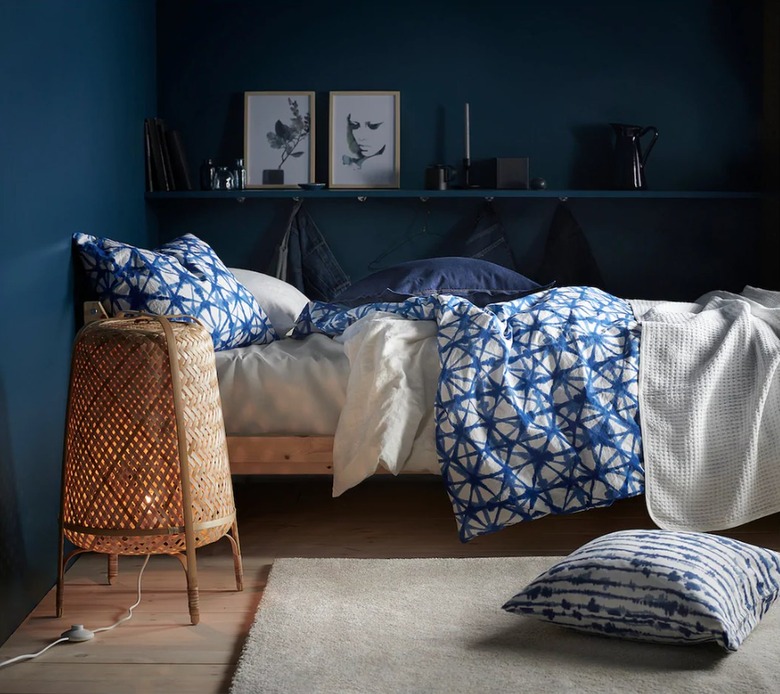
[488,198]
[362,198]
[424,199]
[240,200]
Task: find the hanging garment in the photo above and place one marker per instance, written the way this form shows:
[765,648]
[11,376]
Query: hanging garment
[306,261]
[568,260]
[487,241]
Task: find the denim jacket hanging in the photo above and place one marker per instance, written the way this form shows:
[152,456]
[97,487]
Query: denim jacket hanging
[487,240]
[305,260]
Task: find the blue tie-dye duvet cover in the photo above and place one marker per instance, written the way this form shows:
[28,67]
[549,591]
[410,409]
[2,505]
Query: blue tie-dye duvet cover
[537,402]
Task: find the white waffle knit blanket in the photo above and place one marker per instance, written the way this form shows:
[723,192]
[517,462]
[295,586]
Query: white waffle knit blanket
[709,403]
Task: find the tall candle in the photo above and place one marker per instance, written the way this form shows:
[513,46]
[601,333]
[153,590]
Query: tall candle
[468,133]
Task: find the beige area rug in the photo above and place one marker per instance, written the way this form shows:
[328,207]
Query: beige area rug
[342,626]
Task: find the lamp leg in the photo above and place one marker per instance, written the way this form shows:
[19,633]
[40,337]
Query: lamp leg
[235,545]
[60,572]
[184,466]
[113,567]
[193,597]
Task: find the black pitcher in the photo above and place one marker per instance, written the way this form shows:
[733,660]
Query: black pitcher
[629,159]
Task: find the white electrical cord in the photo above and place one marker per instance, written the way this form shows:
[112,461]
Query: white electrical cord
[78,633]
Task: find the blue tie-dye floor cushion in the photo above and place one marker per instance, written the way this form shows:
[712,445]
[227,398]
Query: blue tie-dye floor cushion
[183,277]
[657,585]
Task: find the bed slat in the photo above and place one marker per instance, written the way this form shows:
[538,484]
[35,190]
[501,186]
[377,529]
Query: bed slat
[280,455]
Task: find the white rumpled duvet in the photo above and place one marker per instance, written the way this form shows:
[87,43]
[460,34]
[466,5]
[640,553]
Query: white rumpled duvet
[387,419]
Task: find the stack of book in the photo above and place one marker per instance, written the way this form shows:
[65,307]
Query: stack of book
[166,162]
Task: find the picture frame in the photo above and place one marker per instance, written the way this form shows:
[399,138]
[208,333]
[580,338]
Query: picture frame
[279,136]
[365,129]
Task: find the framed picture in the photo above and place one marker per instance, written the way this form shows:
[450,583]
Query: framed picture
[278,139]
[365,140]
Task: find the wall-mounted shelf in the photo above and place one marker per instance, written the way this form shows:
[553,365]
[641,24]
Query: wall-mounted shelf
[453,193]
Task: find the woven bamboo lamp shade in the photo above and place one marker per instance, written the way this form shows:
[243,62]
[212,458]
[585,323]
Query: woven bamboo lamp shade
[145,465]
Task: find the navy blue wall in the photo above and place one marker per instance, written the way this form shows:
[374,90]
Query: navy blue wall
[543,80]
[77,79]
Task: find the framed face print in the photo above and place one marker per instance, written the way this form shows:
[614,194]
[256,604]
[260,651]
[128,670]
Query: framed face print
[365,140]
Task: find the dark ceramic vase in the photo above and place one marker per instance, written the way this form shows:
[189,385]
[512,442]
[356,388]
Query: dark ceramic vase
[273,177]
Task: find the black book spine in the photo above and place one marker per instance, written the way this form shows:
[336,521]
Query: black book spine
[150,184]
[179,165]
[166,157]
[158,169]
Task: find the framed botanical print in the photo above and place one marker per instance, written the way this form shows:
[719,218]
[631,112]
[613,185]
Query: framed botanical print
[365,140]
[278,139]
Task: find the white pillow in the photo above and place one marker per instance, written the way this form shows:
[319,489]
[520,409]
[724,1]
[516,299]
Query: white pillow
[281,301]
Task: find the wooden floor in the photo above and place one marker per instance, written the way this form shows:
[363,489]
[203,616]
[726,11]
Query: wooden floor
[159,651]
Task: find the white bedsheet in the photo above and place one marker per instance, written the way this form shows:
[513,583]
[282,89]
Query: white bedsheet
[709,389]
[288,387]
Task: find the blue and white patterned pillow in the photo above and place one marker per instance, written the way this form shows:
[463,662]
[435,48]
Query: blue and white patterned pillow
[657,585]
[184,276]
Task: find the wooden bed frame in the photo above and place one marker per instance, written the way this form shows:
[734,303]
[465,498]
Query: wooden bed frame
[280,455]
[285,455]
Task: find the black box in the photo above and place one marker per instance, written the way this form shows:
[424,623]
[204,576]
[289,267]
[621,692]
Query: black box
[500,173]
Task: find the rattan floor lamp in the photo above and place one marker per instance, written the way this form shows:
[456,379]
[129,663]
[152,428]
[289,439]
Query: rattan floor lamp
[145,465]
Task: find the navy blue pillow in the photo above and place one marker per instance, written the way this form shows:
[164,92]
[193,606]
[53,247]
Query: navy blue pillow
[479,281]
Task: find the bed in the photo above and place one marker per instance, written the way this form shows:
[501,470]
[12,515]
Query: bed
[710,403]
[525,400]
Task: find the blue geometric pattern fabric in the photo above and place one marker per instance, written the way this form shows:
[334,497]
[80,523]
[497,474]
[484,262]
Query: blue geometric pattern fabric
[182,277]
[537,403]
[657,585]
[537,408]
[334,319]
